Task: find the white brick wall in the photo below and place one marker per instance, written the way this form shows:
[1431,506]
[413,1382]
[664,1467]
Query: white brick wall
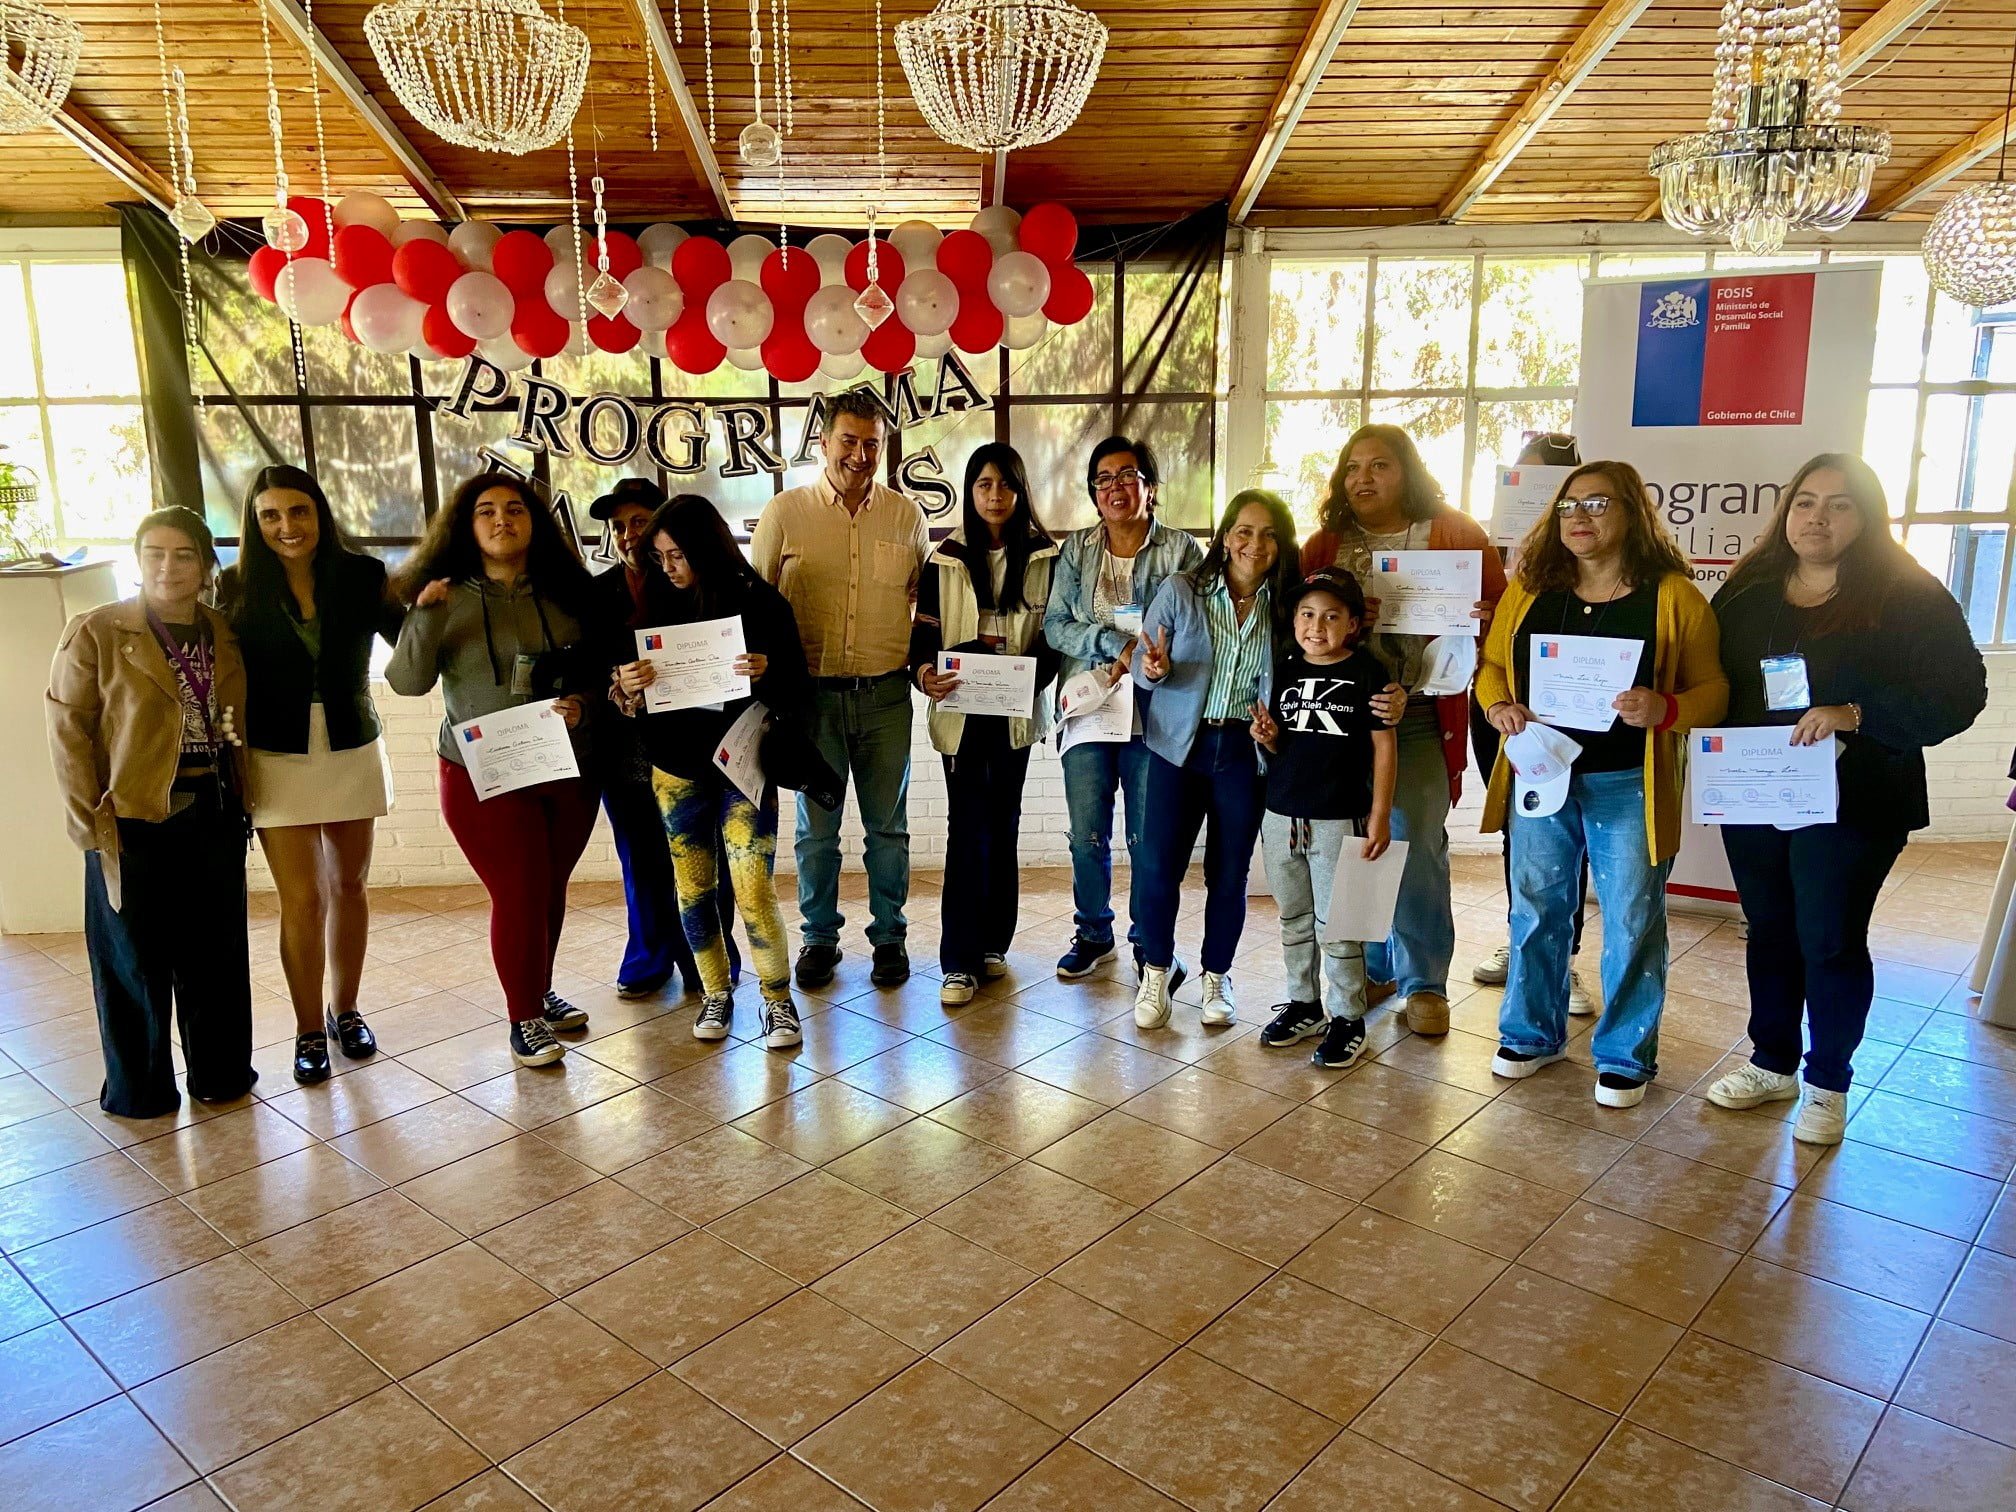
[1968,778]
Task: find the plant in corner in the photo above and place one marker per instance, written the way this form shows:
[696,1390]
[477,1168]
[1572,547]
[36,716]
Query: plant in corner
[22,534]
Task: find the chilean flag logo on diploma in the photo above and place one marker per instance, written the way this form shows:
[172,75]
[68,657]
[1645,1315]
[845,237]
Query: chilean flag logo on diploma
[1723,351]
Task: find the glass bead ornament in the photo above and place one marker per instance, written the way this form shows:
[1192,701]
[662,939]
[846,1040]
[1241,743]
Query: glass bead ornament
[193,221]
[1970,246]
[873,305]
[998,75]
[496,75]
[38,58]
[607,296]
[760,146]
[286,230]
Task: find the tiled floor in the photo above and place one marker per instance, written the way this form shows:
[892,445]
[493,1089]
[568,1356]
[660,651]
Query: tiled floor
[1022,1258]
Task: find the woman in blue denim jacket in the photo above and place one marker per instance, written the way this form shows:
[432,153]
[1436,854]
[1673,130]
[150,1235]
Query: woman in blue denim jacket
[1106,576]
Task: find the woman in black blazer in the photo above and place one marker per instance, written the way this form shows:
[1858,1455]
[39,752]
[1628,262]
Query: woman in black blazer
[306,607]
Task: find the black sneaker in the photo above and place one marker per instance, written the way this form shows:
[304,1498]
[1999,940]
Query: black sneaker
[1292,1023]
[780,1024]
[563,1015]
[1083,957]
[1343,1043]
[816,965]
[532,1043]
[717,1009]
[892,965]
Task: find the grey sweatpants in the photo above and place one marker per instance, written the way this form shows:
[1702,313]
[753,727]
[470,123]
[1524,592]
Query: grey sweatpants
[1301,859]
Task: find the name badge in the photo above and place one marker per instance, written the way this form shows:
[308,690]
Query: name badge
[1127,619]
[1785,685]
[521,676]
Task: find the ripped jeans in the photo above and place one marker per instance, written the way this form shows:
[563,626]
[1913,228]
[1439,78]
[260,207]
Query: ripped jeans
[1603,818]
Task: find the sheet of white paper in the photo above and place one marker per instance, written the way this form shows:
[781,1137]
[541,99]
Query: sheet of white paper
[989,684]
[1573,679]
[739,756]
[516,748]
[1521,496]
[1427,592]
[695,664]
[1448,665]
[1364,892]
[1754,775]
[1108,719]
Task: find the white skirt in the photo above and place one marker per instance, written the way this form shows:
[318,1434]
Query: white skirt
[323,786]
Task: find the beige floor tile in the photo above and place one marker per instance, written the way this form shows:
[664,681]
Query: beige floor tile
[712,1174]
[653,1049]
[1069,1478]
[921,1165]
[102,1460]
[394,1452]
[1056,1355]
[96,1264]
[1536,1147]
[1033,1215]
[429,1310]
[923,1285]
[49,1375]
[837,1038]
[919,1074]
[1250,1208]
[1161,1276]
[1841,1335]
[584,1236]
[1311,1346]
[1354,1471]
[737,1081]
[1286,1072]
[1461,1060]
[61,1202]
[1470,1203]
[1880,1256]
[463,1060]
[1102,1069]
[20,1308]
[1967,1380]
[1332,1152]
[1981,1298]
[1018,1113]
[278,1195]
[532,1098]
[1631,1261]
[1915,1464]
[492,1491]
[148,1332]
[810,1226]
[1127,1158]
[785,1485]
[1685,1195]
[1004,1033]
[715,1284]
[1408,1273]
[478,1192]
[1591,1348]
[1892,1185]
[625,1129]
[1216,1110]
[423,1139]
[1756,1144]
[217,1147]
[351,1247]
[1949,1136]
[1635,1468]
[823,1121]
[375,1090]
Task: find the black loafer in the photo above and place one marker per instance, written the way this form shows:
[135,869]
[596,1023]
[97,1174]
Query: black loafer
[816,964]
[352,1035]
[892,965]
[311,1057]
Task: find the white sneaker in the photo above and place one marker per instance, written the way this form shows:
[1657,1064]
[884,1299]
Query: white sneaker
[1748,1085]
[1218,1007]
[1515,1065]
[958,990]
[1151,998]
[1579,1002]
[1822,1117]
[1494,968]
[993,965]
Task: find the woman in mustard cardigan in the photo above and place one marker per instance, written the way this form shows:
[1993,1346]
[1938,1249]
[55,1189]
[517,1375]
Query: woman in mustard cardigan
[1598,565]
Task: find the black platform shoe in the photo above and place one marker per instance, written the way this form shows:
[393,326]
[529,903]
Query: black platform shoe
[351,1033]
[311,1057]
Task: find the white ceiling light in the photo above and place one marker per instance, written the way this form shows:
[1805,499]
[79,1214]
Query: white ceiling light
[38,55]
[491,74]
[997,75]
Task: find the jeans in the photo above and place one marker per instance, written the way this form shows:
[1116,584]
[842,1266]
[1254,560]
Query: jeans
[1808,895]
[704,818]
[983,788]
[1220,784]
[1603,818]
[1485,740]
[1415,958]
[1093,773]
[865,733]
[1302,868]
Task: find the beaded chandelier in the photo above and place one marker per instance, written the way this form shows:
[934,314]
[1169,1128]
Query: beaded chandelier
[996,75]
[1774,156]
[38,55]
[491,74]
[1970,247]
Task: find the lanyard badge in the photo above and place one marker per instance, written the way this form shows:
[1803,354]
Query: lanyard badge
[1785,684]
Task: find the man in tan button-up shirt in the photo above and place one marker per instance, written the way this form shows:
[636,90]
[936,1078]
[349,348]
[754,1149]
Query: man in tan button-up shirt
[846,552]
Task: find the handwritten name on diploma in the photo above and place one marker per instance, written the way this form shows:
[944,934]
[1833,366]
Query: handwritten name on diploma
[695,664]
[516,748]
[1753,774]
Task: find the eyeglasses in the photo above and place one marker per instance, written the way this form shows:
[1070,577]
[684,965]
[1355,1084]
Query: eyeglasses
[1107,482]
[1593,506]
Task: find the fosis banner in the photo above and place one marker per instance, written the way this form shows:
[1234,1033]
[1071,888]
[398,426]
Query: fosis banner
[1716,388]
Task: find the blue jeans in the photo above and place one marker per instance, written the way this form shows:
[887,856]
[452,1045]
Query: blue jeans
[1221,783]
[1093,773]
[1415,958]
[1603,818]
[864,734]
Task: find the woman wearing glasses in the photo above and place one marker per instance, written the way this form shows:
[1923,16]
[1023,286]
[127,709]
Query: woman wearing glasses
[1106,576]
[1599,566]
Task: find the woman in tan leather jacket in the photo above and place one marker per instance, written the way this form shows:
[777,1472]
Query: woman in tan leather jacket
[145,700]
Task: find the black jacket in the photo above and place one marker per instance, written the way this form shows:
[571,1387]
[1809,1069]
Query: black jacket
[353,606]
[683,741]
[1916,675]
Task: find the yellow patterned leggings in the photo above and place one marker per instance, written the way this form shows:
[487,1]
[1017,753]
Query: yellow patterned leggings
[698,811]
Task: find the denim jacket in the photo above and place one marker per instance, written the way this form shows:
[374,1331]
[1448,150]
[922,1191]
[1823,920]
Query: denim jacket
[1173,709]
[1069,624]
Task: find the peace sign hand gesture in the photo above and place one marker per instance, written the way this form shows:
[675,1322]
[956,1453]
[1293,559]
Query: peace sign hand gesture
[1155,655]
[1264,729]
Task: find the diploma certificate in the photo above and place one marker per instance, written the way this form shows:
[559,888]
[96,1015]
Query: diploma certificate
[1755,775]
[516,748]
[739,756]
[1521,496]
[989,684]
[1094,711]
[1427,592]
[1573,679]
[695,664]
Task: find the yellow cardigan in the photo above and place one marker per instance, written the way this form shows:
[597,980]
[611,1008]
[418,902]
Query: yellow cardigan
[1686,665]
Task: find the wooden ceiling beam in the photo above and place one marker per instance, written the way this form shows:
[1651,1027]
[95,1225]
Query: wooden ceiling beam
[692,134]
[331,64]
[1951,165]
[98,143]
[1589,48]
[1305,75]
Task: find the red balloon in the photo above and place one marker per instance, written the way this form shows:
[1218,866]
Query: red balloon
[701,265]
[966,259]
[363,256]
[425,270]
[537,330]
[625,257]
[978,328]
[263,268]
[522,261]
[1051,232]
[689,343]
[788,353]
[343,321]
[441,333]
[789,281]
[890,346]
[888,265]
[612,333]
[1070,295]
[316,213]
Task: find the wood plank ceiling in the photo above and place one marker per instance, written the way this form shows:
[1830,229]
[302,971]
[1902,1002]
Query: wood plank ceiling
[1300,111]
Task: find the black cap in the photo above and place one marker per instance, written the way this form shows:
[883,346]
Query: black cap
[629,491]
[1333,580]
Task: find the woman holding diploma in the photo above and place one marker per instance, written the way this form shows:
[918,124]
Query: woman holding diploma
[1382,499]
[698,573]
[1205,662]
[1829,626]
[500,619]
[983,592]
[1599,566]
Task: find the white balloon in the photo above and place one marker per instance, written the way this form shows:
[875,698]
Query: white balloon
[999,223]
[579,343]
[1024,331]
[842,365]
[473,242]
[418,230]
[917,242]
[561,240]
[831,322]
[481,306]
[927,301]
[655,299]
[564,287]
[505,353]
[367,209]
[659,242]
[739,314]
[934,346]
[830,252]
[746,254]
[749,359]
[386,319]
[311,293]
[1019,283]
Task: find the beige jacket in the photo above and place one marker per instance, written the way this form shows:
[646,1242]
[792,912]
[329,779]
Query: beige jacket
[114,711]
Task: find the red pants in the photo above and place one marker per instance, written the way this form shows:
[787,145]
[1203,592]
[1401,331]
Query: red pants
[523,846]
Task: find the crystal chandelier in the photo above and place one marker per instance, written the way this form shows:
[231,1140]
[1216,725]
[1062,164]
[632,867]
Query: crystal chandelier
[996,75]
[1774,156]
[38,54]
[491,74]
[1970,247]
